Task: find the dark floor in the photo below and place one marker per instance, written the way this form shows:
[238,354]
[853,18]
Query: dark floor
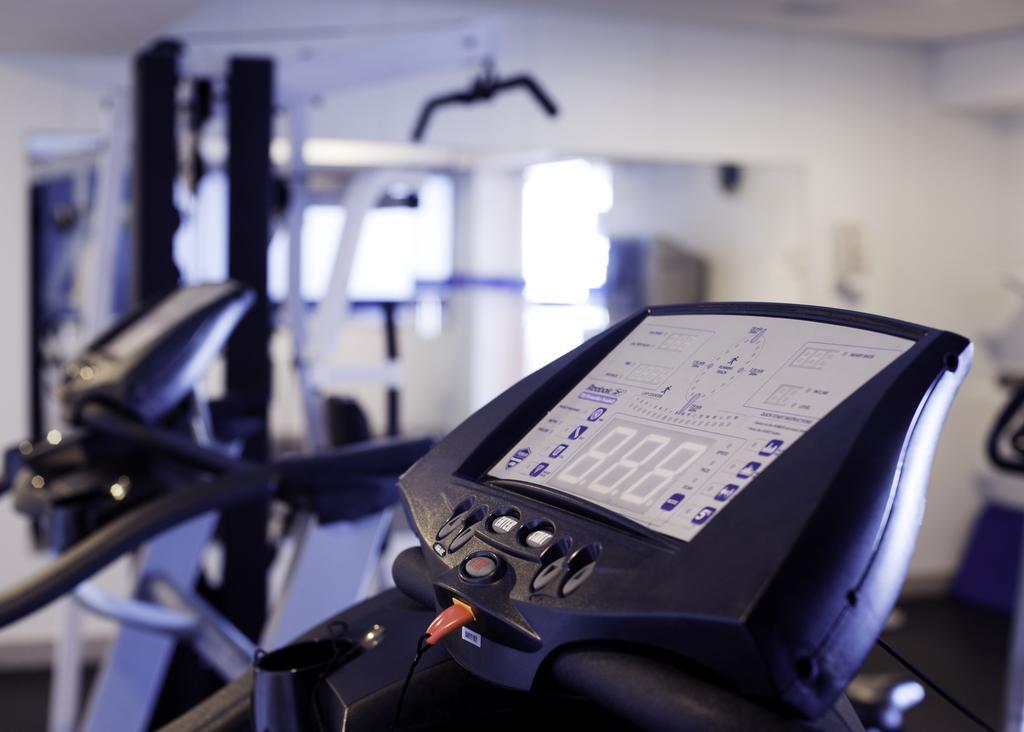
[962,648]
[23,699]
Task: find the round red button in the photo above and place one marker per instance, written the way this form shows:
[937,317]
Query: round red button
[480,567]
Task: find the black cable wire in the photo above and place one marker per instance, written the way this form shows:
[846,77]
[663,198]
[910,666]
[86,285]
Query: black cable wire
[337,630]
[934,686]
[421,647]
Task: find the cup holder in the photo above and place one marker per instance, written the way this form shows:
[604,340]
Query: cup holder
[287,685]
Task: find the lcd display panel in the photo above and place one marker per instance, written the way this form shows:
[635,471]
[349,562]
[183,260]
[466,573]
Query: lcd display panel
[687,411]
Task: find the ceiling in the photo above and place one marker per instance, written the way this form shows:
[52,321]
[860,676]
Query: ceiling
[121,26]
[86,26]
[920,21]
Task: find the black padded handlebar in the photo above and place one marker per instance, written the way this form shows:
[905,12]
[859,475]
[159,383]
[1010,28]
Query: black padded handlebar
[351,481]
[652,694]
[127,532]
[109,423]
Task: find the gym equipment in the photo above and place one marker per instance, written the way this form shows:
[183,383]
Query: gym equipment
[723,397]
[144,460]
[1006,451]
[289,79]
[142,372]
[652,272]
[699,519]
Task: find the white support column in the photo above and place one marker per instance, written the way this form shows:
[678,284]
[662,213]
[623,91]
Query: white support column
[488,249]
[316,428]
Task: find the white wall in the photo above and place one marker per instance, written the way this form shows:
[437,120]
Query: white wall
[1015,162]
[34,101]
[752,238]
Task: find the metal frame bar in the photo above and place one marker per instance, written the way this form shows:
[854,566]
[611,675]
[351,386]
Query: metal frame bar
[361,196]
[126,691]
[66,685]
[93,285]
[346,552]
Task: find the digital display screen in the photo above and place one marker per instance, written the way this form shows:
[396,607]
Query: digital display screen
[688,410]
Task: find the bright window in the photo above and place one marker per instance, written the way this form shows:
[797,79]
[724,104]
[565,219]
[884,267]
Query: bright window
[398,246]
[565,255]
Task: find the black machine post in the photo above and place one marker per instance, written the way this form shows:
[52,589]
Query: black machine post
[250,88]
[155,218]
[391,335]
[248,357]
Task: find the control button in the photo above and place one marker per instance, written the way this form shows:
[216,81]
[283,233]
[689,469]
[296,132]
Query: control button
[770,448]
[504,524]
[577,433]
[581,566]
[726,493]
[460,539]
[456,521]
[672,501]
[538,538]
[481,566]
[748,470]
[519,457]
[547,574]
[577,578]
[701,517]
[453,523]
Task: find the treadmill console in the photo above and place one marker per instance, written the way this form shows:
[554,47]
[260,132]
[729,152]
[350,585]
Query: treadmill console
[737,485]
[147,364]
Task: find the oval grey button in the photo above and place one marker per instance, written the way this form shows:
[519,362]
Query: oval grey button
[450,527]
[547,574]
[577,578]
[460,539]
